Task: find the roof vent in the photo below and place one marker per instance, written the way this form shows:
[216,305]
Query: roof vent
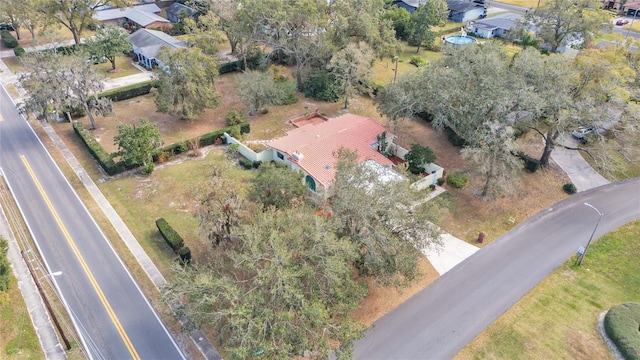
[298,156]
[327,167]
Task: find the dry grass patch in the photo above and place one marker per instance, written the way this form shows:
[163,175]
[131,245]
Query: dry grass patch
[13,91]
[382,299]
[12,63]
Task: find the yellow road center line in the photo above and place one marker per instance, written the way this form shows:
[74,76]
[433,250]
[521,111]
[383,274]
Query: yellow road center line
[86,269]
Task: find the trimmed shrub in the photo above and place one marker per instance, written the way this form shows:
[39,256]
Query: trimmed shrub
[255,61]
[210,138]
[417,61]
[440,181]
[622,325]
[19,51]
[246,163]
[245,128]
[256,164]
[5,267]
[569,188]
[235,117]
[8,39]
[289,100]
[454,139]
[235,132]
[458,179]
[148,169]
[75,111]
[185,255]
[320,85]
[531,164]
[128,92]
[432,187]
[97,151]
[173,239]
[70,49]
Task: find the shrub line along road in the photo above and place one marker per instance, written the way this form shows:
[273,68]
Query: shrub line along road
[439,321]
[112,316]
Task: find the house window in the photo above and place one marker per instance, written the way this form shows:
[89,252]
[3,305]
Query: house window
[280,156]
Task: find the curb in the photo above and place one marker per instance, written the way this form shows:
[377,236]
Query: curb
[612,346]
[197,336]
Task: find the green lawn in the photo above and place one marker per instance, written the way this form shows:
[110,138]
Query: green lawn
[124,67]
[171,192]
[18,339]
[557,319]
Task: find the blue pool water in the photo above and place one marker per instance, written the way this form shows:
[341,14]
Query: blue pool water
[460,40]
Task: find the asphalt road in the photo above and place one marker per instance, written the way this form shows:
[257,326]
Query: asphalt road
[114,319]
[440,320]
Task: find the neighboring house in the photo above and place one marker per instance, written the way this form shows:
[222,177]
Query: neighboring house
[497,26]
[631,7]
[147,43]
[465,10]
[173,12]
[142,16]
[409,5]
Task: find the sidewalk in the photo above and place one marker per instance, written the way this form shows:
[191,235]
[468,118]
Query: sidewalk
[197,336]
[35,306]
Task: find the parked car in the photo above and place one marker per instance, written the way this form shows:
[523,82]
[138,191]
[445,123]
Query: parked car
[622,22]
[7,27]
[581,134]
[96,60]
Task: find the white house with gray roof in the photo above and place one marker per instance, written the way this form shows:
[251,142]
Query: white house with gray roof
[147,43]
[497,26]
[141,15]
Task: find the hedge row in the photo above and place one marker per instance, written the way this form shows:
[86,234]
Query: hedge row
[8,39]
[97,151]
[173,239]
[112,168]
[131,91]
[530,163]
[253,62]
[622,324]
[215,137]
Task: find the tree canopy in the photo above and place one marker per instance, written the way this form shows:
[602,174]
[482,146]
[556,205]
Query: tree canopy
[110,41]
[60,83]
[561,21]
[432,13]
[75,15]
[186,85]
[138,143]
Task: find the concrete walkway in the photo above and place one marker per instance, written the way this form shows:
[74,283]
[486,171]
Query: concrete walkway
[582,175]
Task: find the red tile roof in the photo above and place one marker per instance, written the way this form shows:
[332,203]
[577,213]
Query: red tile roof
[318,142]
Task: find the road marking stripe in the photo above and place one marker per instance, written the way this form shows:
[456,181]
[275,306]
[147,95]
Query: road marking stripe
[1,118]
[86,269]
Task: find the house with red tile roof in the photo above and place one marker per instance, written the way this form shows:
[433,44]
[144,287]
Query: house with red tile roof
[312,148]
